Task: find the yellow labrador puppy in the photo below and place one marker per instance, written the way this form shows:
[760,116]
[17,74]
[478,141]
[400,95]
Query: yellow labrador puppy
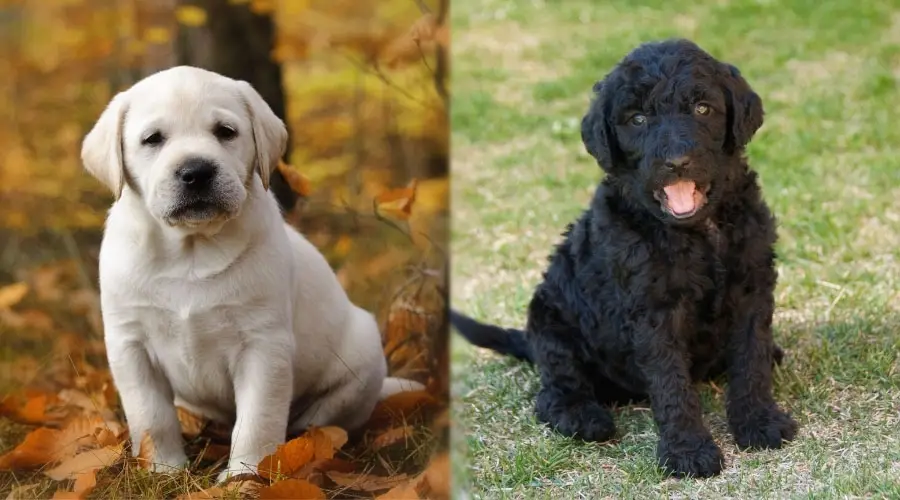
[210,301]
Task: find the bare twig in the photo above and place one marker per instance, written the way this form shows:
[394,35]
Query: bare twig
[374,69]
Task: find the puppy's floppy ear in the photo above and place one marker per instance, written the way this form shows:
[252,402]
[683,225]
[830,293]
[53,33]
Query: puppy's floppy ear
[102,151]
[597,133]
[269,133]
[745,110]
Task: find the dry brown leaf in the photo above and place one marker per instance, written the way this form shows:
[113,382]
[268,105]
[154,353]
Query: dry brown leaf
[406,491]
[147,452]
[244,489]
[84,484]
[33,408]
[435,481]
[191,424]
[21,491]
[215,451]
[326,440]
[288,458]
[397,203]
[317,466]
[292,489]
[392,436]
[366,482]
[398,407]
[95,403]
[85,461]
[298,182]
[338,436]
[84,431]
[11,295]
[40,447]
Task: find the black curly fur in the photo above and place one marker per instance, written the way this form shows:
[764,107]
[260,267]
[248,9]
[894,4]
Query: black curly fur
[639,303]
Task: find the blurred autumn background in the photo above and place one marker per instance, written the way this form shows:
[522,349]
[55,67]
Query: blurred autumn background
[362,86]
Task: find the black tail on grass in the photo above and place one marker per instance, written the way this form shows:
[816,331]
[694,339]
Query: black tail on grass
[507,341]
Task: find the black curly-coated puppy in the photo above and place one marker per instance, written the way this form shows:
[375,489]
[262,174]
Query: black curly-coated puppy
[668,277]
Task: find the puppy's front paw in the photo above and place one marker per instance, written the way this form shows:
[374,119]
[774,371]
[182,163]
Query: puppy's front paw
[693,456]
[584,419]
[768,428]
[168,463]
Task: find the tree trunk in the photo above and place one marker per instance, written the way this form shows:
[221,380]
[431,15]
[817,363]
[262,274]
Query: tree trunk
[237,43]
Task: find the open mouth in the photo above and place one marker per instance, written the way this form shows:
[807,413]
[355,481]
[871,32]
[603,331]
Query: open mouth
[682,199]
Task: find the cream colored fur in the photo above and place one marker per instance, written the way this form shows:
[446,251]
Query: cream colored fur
[230,313]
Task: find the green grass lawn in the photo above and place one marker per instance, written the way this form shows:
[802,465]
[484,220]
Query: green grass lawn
[829,158]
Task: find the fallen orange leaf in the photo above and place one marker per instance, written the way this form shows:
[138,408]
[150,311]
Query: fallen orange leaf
[397,203]
[292,489]
[326,440]
[38,408]
[191,425]
[44,446]
[288,458]
[85,481]
[85,461]
[11,295]
[332,464]
[298,182]
[40,447]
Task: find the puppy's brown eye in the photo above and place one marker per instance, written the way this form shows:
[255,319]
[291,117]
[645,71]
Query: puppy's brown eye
[225,132]
[638,120]
[154,139]
[701,109]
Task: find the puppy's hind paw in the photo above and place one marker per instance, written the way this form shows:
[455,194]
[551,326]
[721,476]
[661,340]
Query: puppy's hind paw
[769,428]
[697,457]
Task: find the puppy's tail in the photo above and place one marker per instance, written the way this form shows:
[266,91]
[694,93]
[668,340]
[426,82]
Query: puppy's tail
[507,341]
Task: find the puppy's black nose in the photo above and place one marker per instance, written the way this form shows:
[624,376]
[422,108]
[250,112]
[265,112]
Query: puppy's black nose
[677,163]
[196,174]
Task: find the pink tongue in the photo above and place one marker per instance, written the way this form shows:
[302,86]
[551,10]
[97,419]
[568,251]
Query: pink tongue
[680,197]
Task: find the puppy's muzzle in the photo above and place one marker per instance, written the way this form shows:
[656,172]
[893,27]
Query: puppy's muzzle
[199,193]
[196,175]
